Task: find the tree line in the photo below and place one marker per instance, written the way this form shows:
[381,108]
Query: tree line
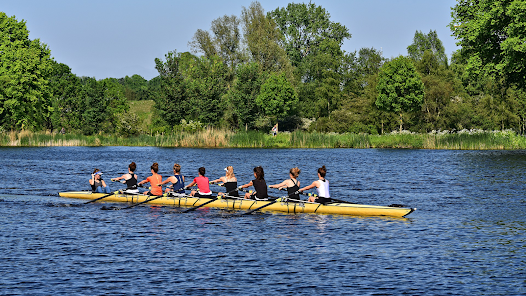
[286,65]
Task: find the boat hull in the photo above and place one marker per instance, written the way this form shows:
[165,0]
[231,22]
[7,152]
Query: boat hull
[247,204]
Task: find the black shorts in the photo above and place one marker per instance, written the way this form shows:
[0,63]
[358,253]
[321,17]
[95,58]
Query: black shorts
[203,195]
[323,200]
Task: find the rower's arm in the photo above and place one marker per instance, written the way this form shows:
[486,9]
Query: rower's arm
[217,180]
[282,184]
[169,179]
[246,185]
[118,178]
[191,184]
[314,184]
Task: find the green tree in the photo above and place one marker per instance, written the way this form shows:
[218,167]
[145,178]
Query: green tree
[67,106]
[313,44]
[305,27]
[170,104]
[225,41]
[135,88]
[192,88]
[427,42]
[241,108]
[104,102]
[263,38]
[25,65]
[492,34]
[400,88]
[277,98]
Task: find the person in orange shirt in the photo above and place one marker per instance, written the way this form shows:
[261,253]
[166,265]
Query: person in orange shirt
[154,180]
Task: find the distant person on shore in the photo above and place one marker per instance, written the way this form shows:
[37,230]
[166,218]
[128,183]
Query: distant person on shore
[177,181]
[260,186]
[292,184]
[97,184]
[203,185]
[154,180]
[275,130]
[229,181]
[322,185]
[130,179]
[63,131]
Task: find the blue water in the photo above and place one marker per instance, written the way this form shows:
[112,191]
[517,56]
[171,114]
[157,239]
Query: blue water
[466,238]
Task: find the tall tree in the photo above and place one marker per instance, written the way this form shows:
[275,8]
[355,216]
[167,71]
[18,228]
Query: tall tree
[67,105]
[225,41]
[427,42]
[170,103]
[400,88]
[305,27]
[492,34]
[241,109]
[192,88]
[262,38]
[25,65]
[277,98]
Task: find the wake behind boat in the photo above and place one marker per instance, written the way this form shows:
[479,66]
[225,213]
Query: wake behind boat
[337,208]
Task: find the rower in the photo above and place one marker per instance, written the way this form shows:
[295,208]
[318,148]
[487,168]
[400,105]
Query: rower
[292,185]
[177,181]
[322,186]
[259,184]
[154,179]
[203,185]
[229,181]
[97,184]
[130,179]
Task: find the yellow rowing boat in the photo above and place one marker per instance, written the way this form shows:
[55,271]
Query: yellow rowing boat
[339,208]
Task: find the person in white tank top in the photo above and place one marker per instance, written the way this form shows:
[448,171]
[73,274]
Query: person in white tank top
[322,186]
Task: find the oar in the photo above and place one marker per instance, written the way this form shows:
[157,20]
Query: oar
[102,197]
[263,206]
[143,202]
[201,205]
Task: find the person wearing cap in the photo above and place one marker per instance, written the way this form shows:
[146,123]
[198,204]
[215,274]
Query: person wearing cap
[229,181]
[97,184]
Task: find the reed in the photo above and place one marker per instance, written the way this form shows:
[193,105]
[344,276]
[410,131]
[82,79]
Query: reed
[222,138]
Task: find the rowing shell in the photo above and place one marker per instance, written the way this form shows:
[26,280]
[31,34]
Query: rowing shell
[248,204]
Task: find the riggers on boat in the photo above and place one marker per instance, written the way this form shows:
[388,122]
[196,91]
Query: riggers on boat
[338,208]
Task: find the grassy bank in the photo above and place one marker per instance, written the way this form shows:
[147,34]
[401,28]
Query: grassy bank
[213,138]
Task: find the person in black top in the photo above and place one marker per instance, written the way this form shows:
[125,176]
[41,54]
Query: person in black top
[130,179]
[292,185]
[229,181]
[259,184]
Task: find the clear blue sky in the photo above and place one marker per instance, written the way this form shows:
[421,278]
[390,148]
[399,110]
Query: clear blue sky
[115,38]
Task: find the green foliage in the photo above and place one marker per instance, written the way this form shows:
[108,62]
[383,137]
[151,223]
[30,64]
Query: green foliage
[306,27]
[225,42]
[241,104]
[492,34]
[192,88]
[400,88]
[263,39]
[25,96]
[277,97]
[136,88]
[423,43]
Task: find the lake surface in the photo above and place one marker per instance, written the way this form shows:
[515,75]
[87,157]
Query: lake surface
[466,238]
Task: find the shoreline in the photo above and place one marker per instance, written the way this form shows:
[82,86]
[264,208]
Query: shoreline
[214,138]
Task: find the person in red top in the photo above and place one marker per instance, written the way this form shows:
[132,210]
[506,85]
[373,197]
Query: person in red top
[202,185]
[154,179]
